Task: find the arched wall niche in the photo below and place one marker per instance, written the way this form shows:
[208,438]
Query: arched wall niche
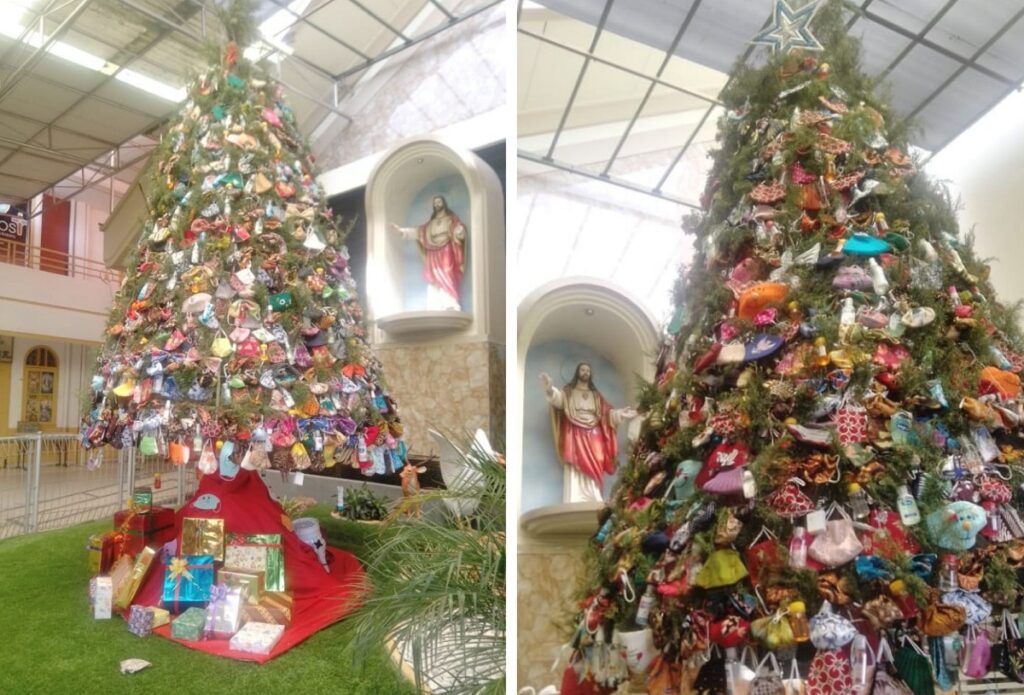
[398,187]
[591,320]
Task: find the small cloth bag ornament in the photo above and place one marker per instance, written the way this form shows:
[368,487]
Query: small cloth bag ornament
[711,679]
[977,653]
[887,680]
[795,684]
[763,551]
[839,543]
[207,463]
[789,501]
[722,568]
[914,668]
[941,619]
[830,674]
[831,631]
[768,680]
[729,632]
[774,630]
[976,609]
[723,472]
[1011,652]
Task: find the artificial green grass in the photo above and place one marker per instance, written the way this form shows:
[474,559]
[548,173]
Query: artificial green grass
[49,642]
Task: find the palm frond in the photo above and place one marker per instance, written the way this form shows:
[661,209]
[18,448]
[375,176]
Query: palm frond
[437,585]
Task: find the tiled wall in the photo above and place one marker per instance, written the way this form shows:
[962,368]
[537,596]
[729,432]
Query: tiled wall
[549,576]
[455,388]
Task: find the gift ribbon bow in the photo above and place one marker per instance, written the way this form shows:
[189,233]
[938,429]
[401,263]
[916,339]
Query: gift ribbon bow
[179,569]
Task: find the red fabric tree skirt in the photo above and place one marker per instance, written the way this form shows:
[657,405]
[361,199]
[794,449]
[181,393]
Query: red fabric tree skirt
[320,599]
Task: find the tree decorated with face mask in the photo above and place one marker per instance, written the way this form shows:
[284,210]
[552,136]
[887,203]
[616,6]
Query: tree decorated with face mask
[833,431]
[236,338]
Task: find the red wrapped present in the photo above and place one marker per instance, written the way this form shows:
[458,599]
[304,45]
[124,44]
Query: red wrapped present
[141,530]
[104,549]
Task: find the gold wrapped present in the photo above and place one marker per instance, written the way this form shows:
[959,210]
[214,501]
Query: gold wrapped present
[202,537]
[251,583]
[120,574]
[275,607]
[160,616]
[130,587]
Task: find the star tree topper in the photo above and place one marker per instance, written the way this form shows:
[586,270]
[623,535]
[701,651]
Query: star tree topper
[789,28]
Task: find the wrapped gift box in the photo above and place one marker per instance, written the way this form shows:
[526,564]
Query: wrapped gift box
[101,591]
[187,582]
[202,537]
[139,571]
[257,638]
[274,608]
[103,550]
[140,621]
[250,583]
[189,625]
[120,574]
[257,552]
[142,500]
[141,530]
[224,613]
[160,616]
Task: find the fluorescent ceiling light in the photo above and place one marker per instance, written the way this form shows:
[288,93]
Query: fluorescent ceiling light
[77,56]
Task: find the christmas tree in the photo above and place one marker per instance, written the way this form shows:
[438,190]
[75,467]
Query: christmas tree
[237,333]
[236,342]
[833,430]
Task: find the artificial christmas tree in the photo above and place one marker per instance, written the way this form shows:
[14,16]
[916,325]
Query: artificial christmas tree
[236,343]
[829,458]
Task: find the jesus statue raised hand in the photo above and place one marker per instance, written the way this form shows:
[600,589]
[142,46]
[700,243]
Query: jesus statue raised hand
[584,425]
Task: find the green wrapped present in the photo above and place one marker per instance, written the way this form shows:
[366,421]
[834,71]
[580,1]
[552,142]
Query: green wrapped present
[257,552]
[189,625]
[142,500]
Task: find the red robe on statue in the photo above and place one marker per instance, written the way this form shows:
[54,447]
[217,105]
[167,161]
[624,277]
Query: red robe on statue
[590,450]
[444,261]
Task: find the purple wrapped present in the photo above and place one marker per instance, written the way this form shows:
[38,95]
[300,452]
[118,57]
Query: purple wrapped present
[140,621]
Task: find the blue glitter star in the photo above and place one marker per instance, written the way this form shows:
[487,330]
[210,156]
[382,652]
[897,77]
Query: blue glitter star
[790,29]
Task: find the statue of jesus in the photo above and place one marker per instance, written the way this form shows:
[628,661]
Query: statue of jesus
[584,425]
[442,243]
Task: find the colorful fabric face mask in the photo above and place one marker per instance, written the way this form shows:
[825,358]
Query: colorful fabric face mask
[830,674]
[789,501]
[722,568]
[914,669]
[774,631]
[838,544]
[956,526]
[977,653]
[731,631]
[941,619]
[976,609]
[762,553]
[830,630]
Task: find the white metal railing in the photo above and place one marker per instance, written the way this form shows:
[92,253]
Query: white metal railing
[46,484]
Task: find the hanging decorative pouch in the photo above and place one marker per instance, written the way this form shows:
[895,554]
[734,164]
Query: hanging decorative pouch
[1011,662]
[976,609]
[940,619]
[722,474]
[722,568]
[914,668]
[887,680]
[221,346]
[839,543]
[830,674]
[831,631]
[711,678]
[178,453]
[300,457]
[147,445]
[851,421]
[977,653]
[727,528]
[763,551]
[301,357]
[882,612]
[789,501]
[768,678]
[774,631]
[795,684]
[944,668]
[207,463]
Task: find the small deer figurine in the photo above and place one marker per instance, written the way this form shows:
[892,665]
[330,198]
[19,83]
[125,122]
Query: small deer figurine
[411,488]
